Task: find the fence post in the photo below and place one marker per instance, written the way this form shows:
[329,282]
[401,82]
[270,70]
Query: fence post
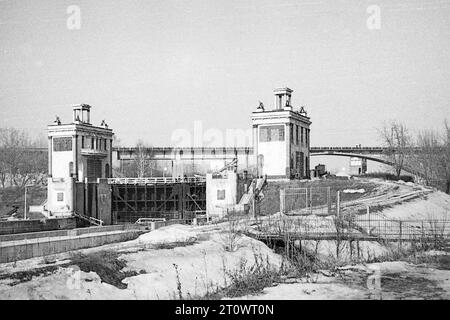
[329,199]
[423,233]
[400,239]
[368,215]
[310,200]
[282,197]
[338,203]
[306,198]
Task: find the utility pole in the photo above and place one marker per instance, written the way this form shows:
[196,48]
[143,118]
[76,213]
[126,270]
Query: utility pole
[338,204]
[25,205]
[254,200]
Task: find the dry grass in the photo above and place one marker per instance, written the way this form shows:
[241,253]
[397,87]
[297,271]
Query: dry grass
[176,244]
[106,264]
[24,276]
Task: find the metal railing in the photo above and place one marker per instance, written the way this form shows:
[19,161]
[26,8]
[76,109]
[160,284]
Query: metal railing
[156,180]
[375,228]
[301,201]
[91,220]
[377,225]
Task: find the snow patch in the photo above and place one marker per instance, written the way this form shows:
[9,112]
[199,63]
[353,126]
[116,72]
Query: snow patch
[354,191]
[171,234]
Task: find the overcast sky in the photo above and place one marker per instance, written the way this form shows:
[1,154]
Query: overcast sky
[151,67]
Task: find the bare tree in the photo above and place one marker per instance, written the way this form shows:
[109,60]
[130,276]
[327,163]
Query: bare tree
[425,159]
[19,163]
[446,156]
[398,142]
[142,164]
[432,157]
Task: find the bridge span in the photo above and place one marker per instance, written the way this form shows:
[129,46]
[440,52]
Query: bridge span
[207,153]
[127,153]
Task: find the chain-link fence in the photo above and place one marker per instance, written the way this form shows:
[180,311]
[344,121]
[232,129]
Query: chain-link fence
[306,201]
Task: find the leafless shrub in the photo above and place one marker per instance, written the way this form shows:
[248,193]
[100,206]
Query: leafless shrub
[232,235]
[177,273]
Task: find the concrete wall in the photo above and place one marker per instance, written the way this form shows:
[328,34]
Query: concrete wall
[60,163]
[218,207]
[274,161]
[66,187]
[23,226]
[11,251]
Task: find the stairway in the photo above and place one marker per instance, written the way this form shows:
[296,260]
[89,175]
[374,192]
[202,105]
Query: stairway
[257,185]
[91,220]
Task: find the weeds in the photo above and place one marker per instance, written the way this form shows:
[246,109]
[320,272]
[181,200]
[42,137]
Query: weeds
[232,235]
[171,245]
[24,276]
[106,264]
[177,273]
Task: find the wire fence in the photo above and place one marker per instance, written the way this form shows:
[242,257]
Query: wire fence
[376,228]
[379,226]
[306,201]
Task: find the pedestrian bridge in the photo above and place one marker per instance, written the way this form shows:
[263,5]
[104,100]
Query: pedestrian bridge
[172,153]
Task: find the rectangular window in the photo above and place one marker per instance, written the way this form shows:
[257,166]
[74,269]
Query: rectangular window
[264,134]
[82,142]
[62,144]
[60,196]
[220,194]
[291,132]
[307,136]
[92,143]
[105,144]
[296,134]
[301,139]
[271,133]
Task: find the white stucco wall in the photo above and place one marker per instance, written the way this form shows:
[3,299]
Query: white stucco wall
[60,163]
[215,207]
[274,157]
[64,186]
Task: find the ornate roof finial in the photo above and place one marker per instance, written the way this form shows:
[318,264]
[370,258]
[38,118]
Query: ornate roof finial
[261,105]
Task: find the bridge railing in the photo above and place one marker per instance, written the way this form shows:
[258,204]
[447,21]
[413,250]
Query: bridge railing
[155,180]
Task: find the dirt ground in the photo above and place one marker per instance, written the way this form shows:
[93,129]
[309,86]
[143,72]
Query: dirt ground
[190,261]
[396,280]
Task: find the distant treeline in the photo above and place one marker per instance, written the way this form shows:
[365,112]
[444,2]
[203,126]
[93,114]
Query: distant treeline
[18,165]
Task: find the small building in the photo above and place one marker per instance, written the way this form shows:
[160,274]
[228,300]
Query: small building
[221,193]
[281,138]
[319,171]
[77,152]
[358,166]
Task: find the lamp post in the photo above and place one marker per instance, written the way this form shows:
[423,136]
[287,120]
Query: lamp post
[25,205]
